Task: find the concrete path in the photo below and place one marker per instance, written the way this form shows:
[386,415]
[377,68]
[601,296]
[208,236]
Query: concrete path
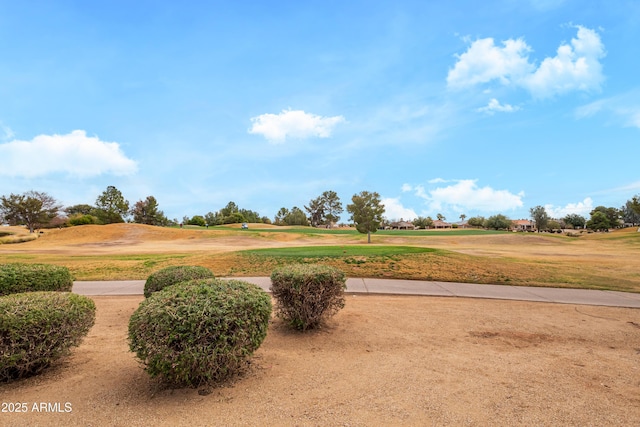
[414,287]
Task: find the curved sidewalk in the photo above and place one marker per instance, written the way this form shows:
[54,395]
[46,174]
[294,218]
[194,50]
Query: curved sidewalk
[413,287]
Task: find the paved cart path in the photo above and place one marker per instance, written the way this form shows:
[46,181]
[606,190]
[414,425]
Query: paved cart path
[413,287]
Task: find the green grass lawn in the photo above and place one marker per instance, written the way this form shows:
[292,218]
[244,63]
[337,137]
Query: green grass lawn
[349,231]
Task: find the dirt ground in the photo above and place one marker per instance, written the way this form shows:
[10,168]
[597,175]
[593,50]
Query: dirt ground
[383,360]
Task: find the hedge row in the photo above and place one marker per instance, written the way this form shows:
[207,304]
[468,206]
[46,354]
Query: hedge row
[17,278]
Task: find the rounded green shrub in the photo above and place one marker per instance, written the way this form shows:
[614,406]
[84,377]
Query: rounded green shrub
[37,328]
[175,274]
[18,277]
[83,220]
[307,294]
[200,331]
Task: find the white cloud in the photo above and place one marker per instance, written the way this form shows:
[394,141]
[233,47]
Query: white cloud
[436,181]
[581,208]
[293,124]
[590,109]
[394,210]
[622,109]
[406,188]
[466,195]
[74,154]
[623,190]
[7,132]
[484,62]
[495,106]
[629,115]
[576,66]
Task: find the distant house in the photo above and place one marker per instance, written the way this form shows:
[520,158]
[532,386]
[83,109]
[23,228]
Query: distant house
[522,225]
[401,225]
[441,224]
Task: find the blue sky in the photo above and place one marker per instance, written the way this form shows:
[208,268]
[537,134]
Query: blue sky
[441,107]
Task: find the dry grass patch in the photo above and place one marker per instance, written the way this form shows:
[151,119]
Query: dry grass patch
[132,251]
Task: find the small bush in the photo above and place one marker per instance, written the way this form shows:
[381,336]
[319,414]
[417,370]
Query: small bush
[83,220]
[37,328]
[173,275]
[18,278]
[200,331]
[307,294]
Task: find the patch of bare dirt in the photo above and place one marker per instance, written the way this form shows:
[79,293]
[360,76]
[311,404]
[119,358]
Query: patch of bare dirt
[383,360]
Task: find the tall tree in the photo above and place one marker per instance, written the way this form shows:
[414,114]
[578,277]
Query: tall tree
[476,221]
[197,220]
[332,207]
[324,209]
[598,221]
[366,212]
[540,217]
[147,212]
[296,216]
[612,215]
[112,206]
[234,218]
[630,214]
[229,209]
[498,222]
[213,218]
[33,209]
[635,203]
[440,217]
[315,211]
[80,210]
[422,222]
[575,220]
[250,216]
[280,216]
[462,217]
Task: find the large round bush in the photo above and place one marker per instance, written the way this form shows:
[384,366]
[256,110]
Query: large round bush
[37,328]
[18,277]
[306,294]
[173,275]
[200,331]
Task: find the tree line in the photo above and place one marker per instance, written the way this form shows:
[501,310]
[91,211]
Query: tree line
[38,209]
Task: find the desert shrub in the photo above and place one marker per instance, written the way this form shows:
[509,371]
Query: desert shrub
[200,331]
[37,328]
[173,275]
[18,277]
[307,294]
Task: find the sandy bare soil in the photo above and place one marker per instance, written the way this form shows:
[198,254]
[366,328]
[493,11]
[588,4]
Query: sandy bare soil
[383,360]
